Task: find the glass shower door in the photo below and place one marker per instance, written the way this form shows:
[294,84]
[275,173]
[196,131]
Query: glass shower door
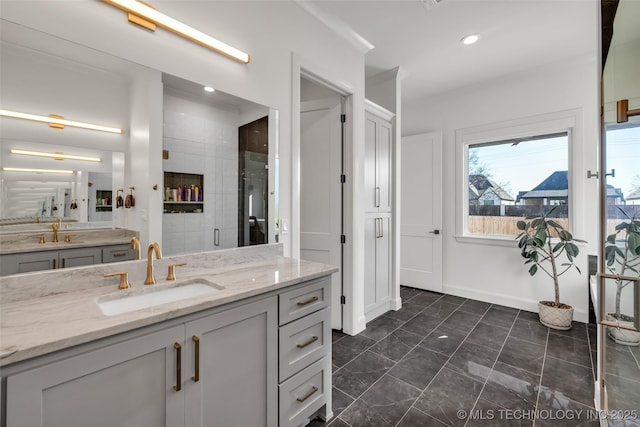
[620,277]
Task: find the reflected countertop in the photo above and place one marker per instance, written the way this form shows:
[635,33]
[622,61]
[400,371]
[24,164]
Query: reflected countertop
[29,242]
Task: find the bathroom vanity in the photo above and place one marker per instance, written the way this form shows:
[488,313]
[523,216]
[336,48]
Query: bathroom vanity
[245,341]
[35,251]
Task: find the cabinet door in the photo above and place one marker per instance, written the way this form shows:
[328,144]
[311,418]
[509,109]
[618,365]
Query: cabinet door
[26,262]
[377,260]
[370,180]
[384,156]
[237,353]
[116,253]
[129,384]
[78,257]
[371,230]
[383,260]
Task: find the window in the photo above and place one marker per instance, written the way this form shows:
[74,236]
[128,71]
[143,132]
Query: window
[523,166]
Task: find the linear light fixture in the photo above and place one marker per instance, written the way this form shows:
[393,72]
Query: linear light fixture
[36,170]
[147,17]
[59,122]
[57,155]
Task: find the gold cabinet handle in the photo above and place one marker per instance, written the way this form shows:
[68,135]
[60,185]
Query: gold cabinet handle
[178,385]
[54,263]
[63,262]
[308,395]
[307,302]
[308,343]
[196,376]
[119,254]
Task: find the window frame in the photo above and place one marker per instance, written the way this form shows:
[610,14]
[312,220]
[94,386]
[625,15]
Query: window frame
[546,124]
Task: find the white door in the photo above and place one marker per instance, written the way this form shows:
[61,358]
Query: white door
[421,208]
[320,190]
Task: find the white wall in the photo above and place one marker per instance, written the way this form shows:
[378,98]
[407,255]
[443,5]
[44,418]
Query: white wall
[494,271]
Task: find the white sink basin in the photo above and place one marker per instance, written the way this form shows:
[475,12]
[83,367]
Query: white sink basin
[132,301]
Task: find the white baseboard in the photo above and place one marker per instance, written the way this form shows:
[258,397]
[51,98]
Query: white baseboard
[579,315]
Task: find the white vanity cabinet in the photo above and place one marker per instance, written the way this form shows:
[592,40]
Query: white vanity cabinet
[262,361]
[231,367]
[305,353]
[135,382]
[47,260]
[26,262]
[127,384]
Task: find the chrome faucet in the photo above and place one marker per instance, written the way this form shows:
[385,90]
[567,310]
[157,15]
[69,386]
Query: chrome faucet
[54,227]
[150,280]
[135,245]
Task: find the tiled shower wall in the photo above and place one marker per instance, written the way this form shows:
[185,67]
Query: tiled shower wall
[202,139]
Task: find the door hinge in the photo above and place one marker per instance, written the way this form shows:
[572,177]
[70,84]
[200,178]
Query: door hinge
[343,300]
[343,238]
[343,118]
[343,178]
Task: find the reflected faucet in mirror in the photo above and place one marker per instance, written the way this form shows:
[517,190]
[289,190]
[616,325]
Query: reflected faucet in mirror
[54,227]
[135,244]
[153,247]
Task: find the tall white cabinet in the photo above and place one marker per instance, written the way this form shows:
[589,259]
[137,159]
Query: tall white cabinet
[378,216]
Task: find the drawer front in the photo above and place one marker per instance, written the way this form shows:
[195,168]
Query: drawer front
[304,341]
[117,253]
[305,300]
[304,393]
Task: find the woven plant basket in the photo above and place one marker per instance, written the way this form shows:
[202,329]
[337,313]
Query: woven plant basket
[623,336]
[555,317]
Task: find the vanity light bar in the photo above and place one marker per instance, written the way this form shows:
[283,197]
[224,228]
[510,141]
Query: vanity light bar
[57,156]
[57,121]
[143,12]
[36,170]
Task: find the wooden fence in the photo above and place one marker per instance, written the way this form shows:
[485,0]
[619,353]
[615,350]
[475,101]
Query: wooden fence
[506,225]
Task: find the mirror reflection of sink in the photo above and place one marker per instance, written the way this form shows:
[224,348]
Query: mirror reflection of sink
[131,301]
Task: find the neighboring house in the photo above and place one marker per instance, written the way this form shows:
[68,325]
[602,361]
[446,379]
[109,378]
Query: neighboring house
[633,198]
[484,191]
[554,191]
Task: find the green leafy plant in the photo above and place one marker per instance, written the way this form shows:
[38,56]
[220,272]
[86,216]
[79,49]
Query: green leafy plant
[622,252]
[544,243]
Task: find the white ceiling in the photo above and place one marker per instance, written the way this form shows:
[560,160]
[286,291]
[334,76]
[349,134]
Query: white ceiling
[425,41]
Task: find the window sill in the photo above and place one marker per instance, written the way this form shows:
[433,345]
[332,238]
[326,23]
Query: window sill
[506,241]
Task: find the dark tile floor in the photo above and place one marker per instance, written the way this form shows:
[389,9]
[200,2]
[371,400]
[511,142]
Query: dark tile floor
[448,361]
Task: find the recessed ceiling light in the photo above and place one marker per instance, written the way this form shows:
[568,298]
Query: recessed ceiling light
[209,89]
[470,39]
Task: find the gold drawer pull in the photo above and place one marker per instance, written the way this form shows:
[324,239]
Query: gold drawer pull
[308,395]
[178,385]
[119,254]
[196,376]
[308,343]
[307,302]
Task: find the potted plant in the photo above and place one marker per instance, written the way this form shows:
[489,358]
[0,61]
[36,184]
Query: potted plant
[622,252]
[544,243]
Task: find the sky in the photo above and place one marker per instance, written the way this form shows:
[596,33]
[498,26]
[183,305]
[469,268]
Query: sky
[527,164]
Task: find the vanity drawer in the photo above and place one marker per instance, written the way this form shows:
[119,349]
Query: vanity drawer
[303,394]
[116,253]
[302,301]
[303,342]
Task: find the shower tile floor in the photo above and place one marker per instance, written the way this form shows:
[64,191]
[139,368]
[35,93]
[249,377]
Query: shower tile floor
[442,360]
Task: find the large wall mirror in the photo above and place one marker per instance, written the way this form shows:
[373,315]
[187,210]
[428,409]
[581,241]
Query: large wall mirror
[218,146]
[621,160]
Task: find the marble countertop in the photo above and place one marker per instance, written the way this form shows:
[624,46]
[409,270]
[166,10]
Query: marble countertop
[34,326]
[28,242]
